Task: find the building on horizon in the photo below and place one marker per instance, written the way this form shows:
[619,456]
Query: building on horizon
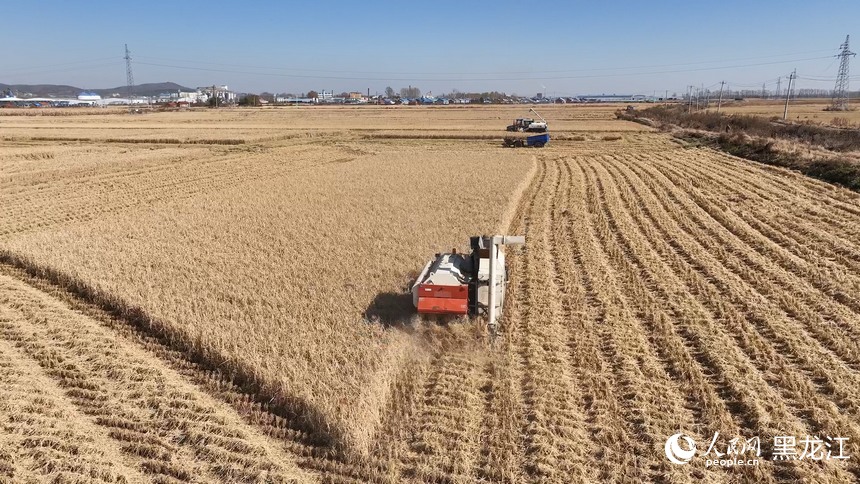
[88,96]
[222,93]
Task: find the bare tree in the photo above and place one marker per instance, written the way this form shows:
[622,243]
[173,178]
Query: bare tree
[410,92]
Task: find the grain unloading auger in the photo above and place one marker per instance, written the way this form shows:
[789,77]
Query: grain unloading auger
[466,284]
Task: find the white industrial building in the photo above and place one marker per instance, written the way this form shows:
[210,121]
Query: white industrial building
[222,93]
[89,96]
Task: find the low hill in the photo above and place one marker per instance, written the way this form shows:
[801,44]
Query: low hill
[60,90]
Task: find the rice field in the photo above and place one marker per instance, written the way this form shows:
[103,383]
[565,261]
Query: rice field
[174,308]
[804,110]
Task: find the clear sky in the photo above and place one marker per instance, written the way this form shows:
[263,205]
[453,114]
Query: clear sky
[560,48]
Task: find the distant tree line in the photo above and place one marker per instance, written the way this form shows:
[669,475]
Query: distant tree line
[413,92]
[249,100]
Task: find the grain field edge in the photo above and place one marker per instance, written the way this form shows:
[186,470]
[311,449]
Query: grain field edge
[298,413]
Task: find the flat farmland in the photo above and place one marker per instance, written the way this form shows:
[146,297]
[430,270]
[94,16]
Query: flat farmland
[812,110]
[175,307]
[235,126]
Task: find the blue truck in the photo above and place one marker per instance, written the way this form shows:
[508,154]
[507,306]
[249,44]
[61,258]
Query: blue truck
[534,141]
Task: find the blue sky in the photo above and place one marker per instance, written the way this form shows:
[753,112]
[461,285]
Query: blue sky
[560,48]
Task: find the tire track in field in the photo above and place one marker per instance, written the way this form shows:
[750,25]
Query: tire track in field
[501,455]
[779,372]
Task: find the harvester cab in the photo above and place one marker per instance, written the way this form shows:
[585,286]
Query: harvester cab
[471,284]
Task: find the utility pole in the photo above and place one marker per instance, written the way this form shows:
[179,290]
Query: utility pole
[778,83]
[788,93]
[698,93]
[763,90]
[840,92]
[720,102]
[129,77]
[215,95]
[689,98]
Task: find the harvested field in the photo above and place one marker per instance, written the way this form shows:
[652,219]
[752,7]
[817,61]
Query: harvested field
[80,403]
[806,110]
[235,126]
[259,287]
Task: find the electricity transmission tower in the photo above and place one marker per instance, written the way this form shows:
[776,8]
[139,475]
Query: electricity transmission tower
[129,77]
[840,92]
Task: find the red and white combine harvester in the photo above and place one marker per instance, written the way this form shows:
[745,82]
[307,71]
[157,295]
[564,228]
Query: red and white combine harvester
[471,284]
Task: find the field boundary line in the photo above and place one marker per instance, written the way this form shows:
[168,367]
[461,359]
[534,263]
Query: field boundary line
[510,214]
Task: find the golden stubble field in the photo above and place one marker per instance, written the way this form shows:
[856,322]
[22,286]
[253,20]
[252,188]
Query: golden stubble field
[805,110]
[177,308]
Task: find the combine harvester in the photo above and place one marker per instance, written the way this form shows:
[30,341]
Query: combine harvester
[529,125]
[456,284]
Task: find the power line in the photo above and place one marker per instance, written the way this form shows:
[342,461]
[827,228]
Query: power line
[461,79]
[67,69]
[404,73]
[16,71]
[824,79]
